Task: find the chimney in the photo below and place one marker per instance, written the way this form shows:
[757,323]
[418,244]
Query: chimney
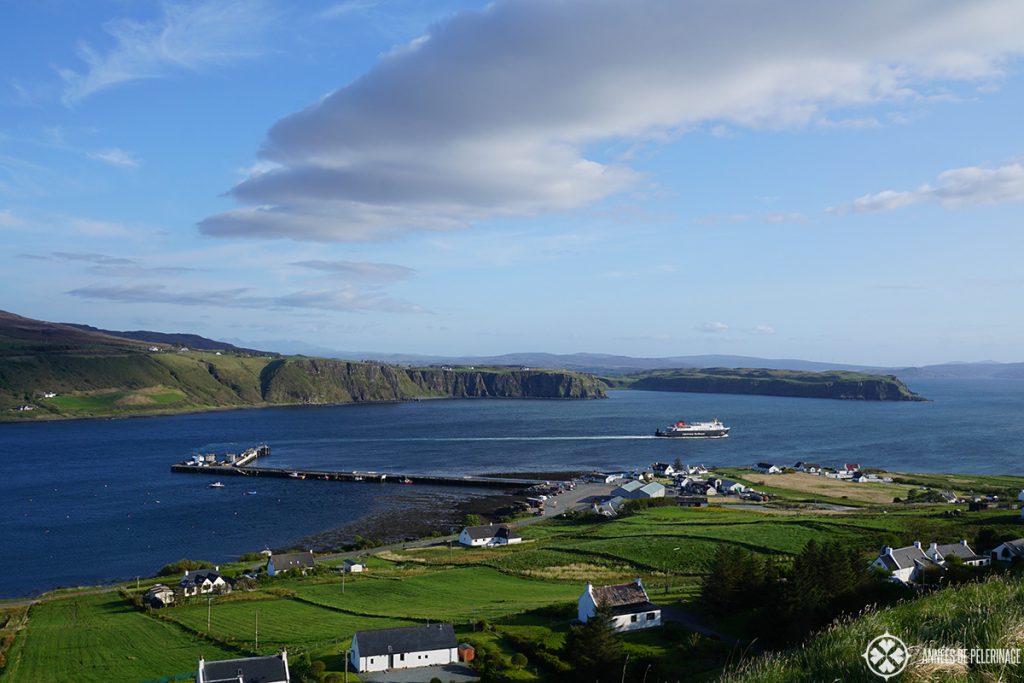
[963,542]
[934,548]
[637,582]
[216,568]
[917,544]
[886,550]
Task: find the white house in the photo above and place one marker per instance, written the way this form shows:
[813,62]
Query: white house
[203,581]
[404,648]
[602,478]
[663,469]
[271,669]
[768,468]
[729,486]
[631,609]
[488,534]
[905,564]
[635,489]
[353,567]
[1009,551]
[289,562]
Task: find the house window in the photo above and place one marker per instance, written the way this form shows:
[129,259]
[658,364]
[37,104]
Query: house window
[651,616]
[632,618]
[401,658]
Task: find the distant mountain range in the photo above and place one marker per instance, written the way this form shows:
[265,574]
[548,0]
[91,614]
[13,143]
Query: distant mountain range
[611,364]
[179,339]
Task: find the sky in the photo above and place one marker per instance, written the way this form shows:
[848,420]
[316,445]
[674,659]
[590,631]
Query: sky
[828,181]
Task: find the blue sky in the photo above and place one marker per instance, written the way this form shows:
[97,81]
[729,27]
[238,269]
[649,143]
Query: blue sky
[838,182]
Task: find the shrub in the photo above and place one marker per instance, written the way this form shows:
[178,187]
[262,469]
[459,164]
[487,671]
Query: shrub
[519,660]
[182,565]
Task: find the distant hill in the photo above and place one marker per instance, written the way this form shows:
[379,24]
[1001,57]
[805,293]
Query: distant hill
[176,339]
[844,385]
[21,336]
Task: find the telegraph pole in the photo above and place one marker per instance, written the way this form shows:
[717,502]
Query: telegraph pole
[257,630]
[209,611]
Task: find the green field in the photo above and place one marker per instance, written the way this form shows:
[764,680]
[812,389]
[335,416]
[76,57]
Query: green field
[459,595]
[282,622]
[101,638]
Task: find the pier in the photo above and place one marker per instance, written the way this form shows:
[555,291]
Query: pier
[242,466]
[362,477]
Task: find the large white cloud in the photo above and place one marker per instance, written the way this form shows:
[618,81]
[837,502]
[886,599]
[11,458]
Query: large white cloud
[500,112]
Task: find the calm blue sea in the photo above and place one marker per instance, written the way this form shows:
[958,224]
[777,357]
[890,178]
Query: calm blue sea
[91,501]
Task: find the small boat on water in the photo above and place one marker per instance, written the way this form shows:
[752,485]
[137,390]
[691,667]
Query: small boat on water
[250,493]
[407,480]
[296,475]
[217,485]
[357,478]
[695,430]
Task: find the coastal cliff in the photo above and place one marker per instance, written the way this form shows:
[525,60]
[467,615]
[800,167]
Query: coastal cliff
[317,380]
[796,384]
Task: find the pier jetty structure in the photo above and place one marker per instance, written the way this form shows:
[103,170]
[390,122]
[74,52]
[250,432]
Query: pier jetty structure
[242,465]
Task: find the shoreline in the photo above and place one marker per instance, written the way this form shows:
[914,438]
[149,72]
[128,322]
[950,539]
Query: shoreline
[50,418]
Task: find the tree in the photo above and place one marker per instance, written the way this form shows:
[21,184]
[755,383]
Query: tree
[473,520]
[519,660]
[677,464]
[592,648]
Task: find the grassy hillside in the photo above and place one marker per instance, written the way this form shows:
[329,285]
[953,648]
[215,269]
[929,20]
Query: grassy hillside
[792,383]
[985,615]
[95,374]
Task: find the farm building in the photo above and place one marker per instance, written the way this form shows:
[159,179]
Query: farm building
[404,648]
[635,489]
[692,501]
[159,596]
[353,567]
[290,561]
[608,508]
[488,534]
[631,609]
[270,669]
[203,581]
[905,564]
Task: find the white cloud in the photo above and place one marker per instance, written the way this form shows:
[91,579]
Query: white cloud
[342,299]
[185,37]
[763,329]
[494,113]
[361,271]
[958,187]
[115,156]
[713,328]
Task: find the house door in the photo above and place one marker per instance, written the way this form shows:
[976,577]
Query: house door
[391,661]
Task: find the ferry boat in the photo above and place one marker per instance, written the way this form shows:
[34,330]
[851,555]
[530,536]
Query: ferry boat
[217,485]
[695,430]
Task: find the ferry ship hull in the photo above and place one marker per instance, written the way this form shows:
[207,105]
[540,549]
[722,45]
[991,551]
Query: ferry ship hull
[703,434]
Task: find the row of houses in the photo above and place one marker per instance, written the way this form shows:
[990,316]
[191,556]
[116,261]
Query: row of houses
[908,564]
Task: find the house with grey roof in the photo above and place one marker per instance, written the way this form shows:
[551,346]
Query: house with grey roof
[906,564]
[270,669]
[159,595]
[286,562]
[404,648]
[628,602]
[1011,551]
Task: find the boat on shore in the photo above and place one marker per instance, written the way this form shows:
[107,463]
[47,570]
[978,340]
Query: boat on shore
[695,430]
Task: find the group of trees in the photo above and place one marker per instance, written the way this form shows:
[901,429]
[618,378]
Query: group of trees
[783,604]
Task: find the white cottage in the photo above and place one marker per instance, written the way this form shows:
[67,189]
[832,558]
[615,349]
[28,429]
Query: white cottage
[404,648]
[1008,552]
[905,564]
[203,582]
[630,607]
[488,534]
